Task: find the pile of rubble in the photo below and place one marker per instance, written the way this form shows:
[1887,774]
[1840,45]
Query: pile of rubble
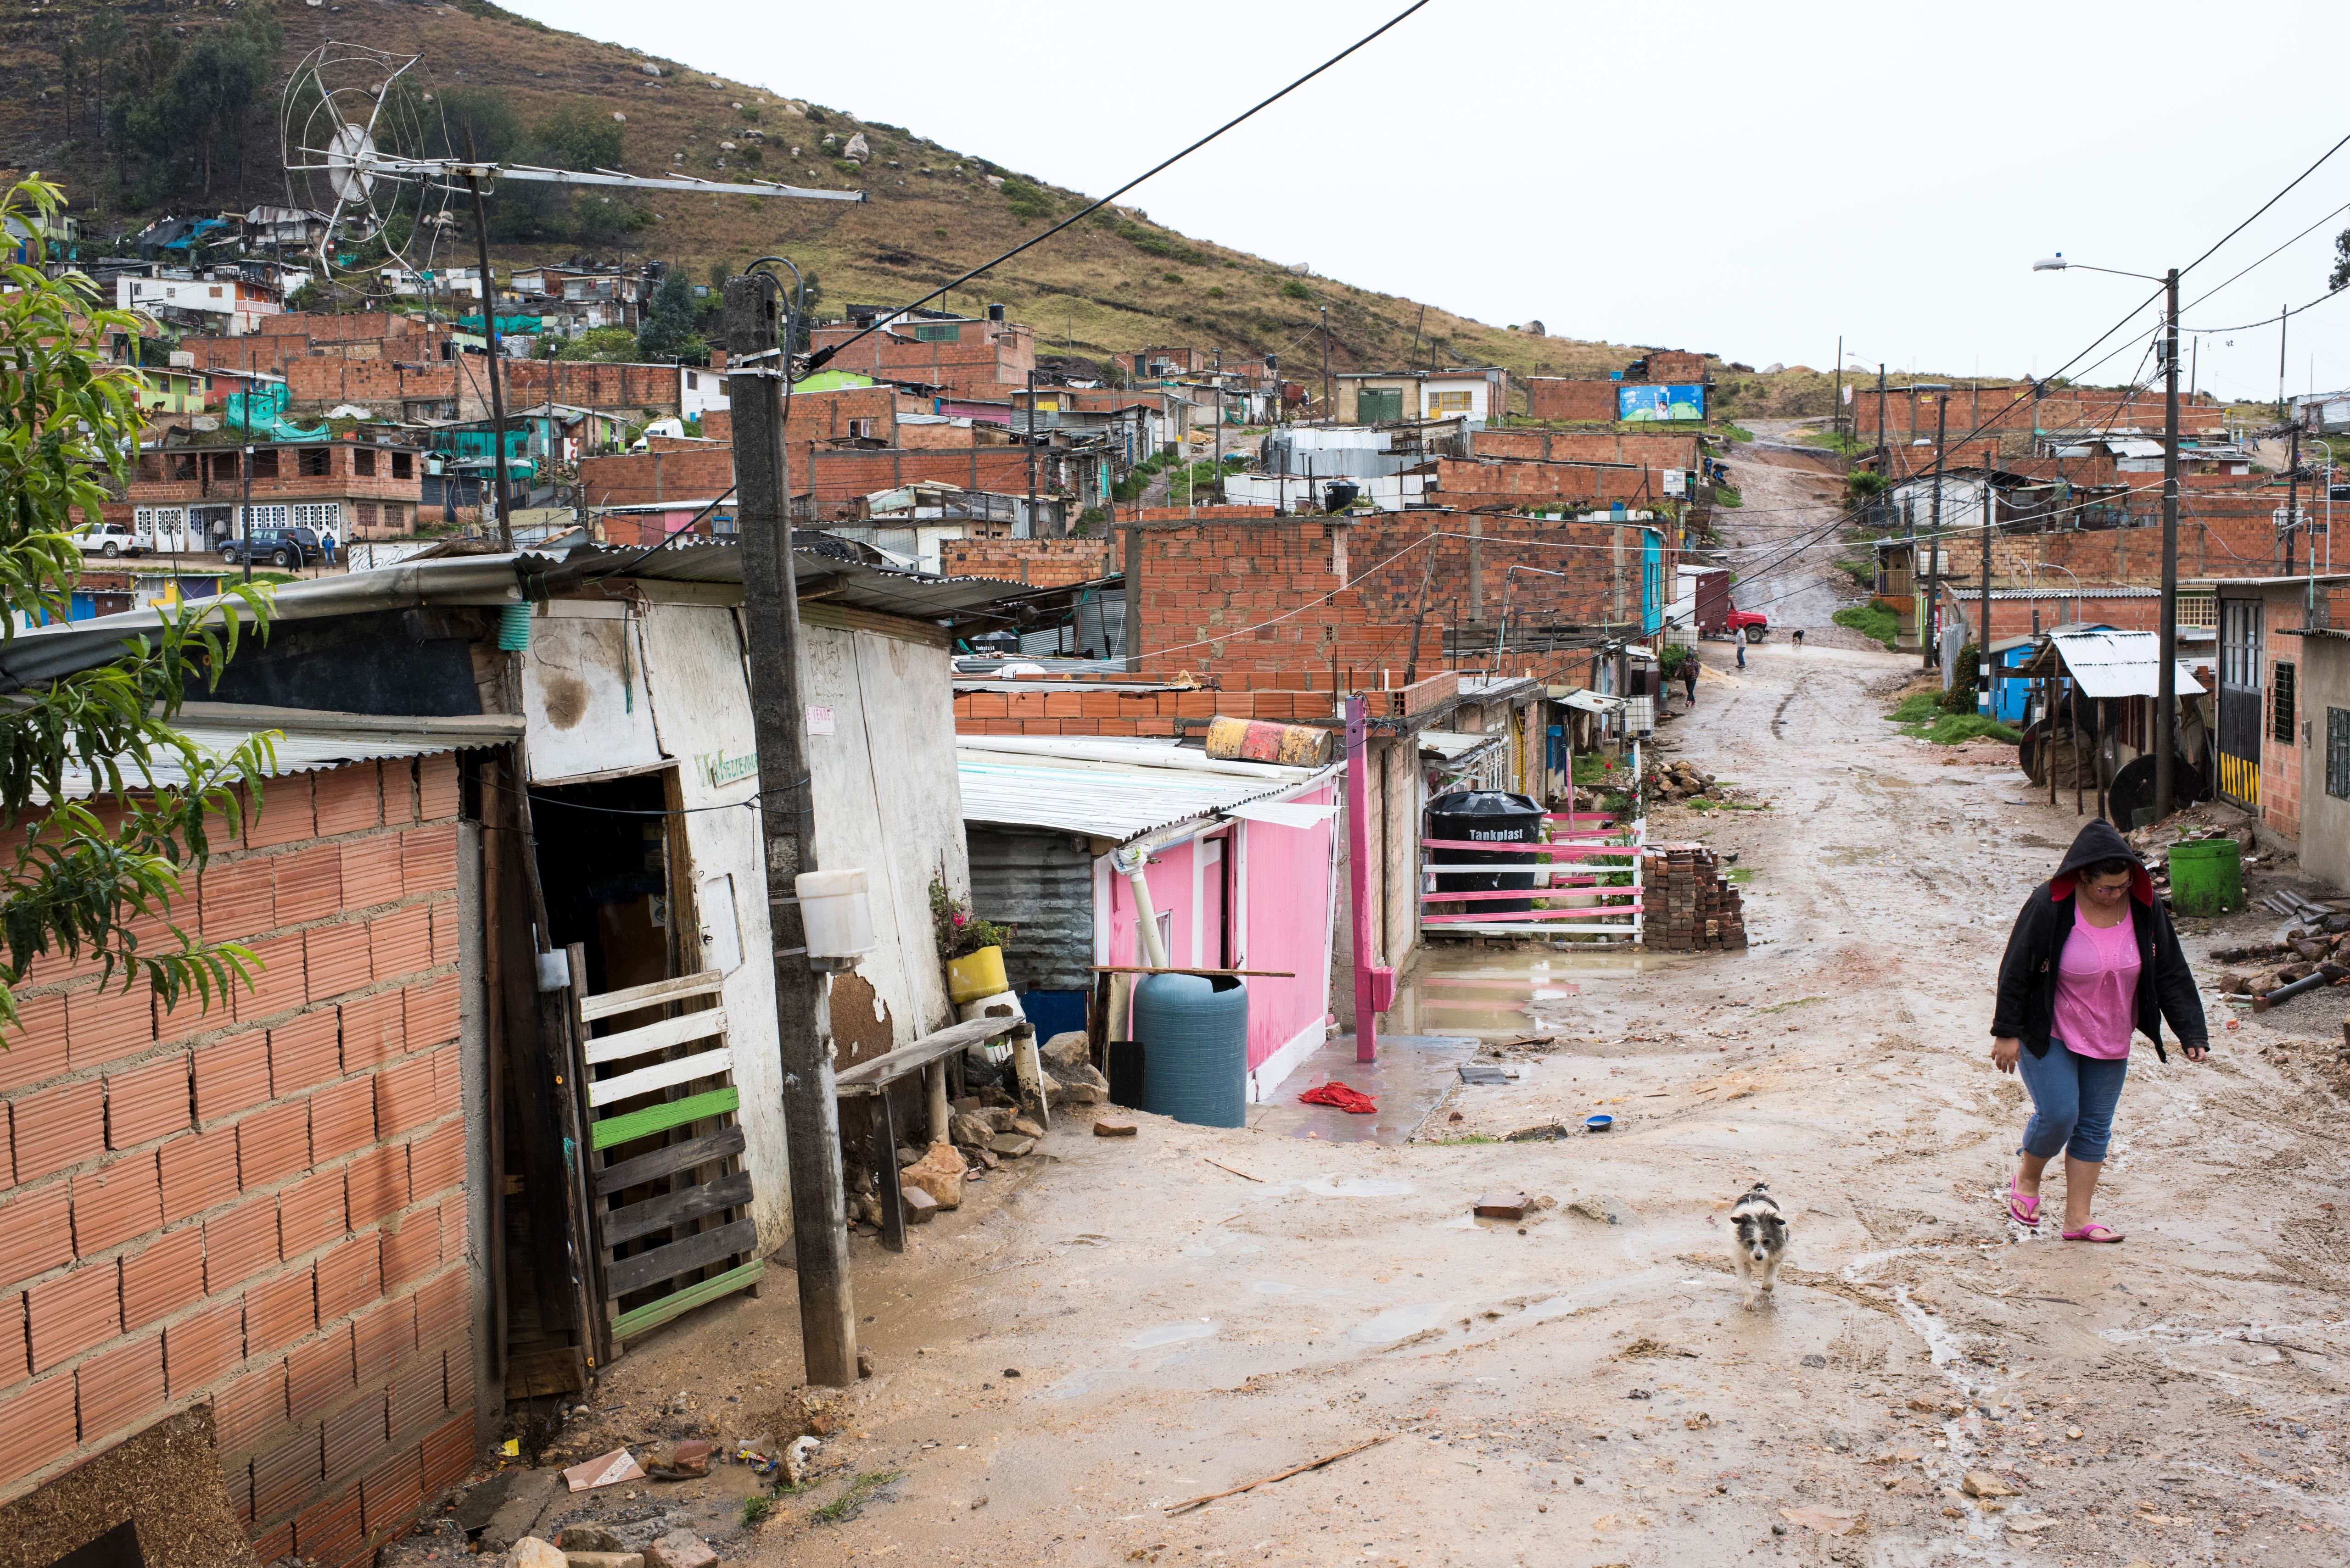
[1672,783]
[2301,960]
[992,1123]
[1688,900]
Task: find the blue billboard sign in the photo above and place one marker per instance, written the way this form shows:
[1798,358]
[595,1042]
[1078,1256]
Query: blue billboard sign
[1646,403]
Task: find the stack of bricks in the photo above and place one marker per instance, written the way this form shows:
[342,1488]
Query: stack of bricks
[1690,905]
[260,1206]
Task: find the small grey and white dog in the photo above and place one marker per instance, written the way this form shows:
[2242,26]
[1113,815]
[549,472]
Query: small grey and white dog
[1758,1240]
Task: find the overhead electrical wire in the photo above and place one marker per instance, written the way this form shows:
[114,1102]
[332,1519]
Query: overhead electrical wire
[822,356]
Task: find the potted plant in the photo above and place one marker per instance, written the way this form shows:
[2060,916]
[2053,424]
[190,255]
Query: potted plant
[970,948]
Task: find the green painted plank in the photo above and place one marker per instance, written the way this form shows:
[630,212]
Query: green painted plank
[627,1129]
[627,1326]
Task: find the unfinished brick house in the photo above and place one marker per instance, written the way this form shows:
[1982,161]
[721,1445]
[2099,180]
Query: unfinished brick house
[191,498]
[970,359]
[233,1242]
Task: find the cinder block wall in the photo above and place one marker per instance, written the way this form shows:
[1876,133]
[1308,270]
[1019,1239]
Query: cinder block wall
[260,1206]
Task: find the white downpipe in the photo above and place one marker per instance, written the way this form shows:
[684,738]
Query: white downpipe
[1130,862]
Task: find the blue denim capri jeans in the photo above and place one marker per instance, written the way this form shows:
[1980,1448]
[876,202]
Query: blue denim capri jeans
[2073,1101]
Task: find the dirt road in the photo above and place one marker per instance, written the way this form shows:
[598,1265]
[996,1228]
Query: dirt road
[1783,540]
[1110,1328]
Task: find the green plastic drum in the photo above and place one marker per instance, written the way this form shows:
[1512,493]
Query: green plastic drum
[2207,876]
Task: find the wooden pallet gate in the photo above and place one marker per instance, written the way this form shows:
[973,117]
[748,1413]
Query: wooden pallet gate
[665,1140]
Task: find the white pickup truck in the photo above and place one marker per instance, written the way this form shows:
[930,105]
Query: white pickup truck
[110,539]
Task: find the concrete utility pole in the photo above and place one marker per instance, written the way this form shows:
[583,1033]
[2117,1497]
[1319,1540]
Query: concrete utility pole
[2291,498]
[1933,652]
[1329,408]
[2165,679]
[1880,419]
[497,397]
[1983,689]
[1033,532]
[755,369]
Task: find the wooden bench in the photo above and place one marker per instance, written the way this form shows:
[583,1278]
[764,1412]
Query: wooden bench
[871,1081]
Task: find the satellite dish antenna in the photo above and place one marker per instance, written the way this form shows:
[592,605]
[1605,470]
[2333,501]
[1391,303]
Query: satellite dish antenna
[358,129]
[363,142]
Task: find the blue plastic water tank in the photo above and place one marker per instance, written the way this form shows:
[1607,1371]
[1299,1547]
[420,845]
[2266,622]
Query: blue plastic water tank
[1194,1035]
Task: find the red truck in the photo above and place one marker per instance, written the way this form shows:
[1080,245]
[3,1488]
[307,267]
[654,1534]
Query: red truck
[1715,615]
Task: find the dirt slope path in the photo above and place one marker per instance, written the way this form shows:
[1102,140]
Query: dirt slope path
[1115,1326]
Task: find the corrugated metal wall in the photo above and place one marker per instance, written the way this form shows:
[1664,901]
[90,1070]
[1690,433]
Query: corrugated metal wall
[1038,882]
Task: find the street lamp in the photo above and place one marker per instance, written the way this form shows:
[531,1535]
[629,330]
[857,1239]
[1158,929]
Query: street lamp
[2166,699]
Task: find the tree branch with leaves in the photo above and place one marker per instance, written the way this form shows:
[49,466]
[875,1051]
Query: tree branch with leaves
[107,810]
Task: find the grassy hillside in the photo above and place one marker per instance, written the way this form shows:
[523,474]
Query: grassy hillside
[1116,283]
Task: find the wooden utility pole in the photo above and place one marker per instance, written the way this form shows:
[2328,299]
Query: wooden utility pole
[755,368]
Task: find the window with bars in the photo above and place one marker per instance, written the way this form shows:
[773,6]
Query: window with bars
[938,332]
[2199,610]
[2280,703]
[2337,753]
[1447,403]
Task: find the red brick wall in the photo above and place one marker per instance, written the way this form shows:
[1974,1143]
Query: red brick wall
[1076,711]
[842,476]
[621,389]
[320,328]
[1559,397]
[321,381]
[2222,533]
[1040,563]
[2012,408]
[636,478]
[1588,446]
[1677,366]
[262,1206]
[1480,484]
[1601,563]
[989,360]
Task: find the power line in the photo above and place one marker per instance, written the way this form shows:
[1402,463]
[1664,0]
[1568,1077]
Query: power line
[822,356]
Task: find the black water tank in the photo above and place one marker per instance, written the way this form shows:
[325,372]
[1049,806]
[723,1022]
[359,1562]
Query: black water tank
[995,312]
[1486,816]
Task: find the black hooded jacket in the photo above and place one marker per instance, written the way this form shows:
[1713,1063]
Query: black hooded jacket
[2027,975]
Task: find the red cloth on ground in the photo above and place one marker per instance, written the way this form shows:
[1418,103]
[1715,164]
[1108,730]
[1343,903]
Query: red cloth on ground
[1335,1093]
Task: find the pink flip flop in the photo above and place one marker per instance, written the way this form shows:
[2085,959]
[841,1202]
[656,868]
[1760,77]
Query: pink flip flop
[2024,1210]
[2094,1232]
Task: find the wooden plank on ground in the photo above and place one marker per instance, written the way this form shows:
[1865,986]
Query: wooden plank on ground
[626,1224]
[660,1075]
[676,989]
[613,1131]
[668,1161]
[629,1324]
[641,1269]
[657,1036]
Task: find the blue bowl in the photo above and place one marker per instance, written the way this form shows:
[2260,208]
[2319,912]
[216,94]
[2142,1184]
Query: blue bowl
[1597,1124]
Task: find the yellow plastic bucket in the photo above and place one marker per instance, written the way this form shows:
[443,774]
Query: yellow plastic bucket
[975,975]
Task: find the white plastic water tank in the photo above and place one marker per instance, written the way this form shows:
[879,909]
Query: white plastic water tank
[835,911]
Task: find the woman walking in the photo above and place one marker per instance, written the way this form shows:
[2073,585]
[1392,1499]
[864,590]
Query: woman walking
[2092,958]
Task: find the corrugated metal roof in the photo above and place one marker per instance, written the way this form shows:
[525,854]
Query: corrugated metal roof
[2109,663]
[1118,800]
[1452,745]
[315,746]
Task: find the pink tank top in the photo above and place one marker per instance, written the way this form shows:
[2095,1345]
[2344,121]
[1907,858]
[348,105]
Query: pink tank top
[2096,989]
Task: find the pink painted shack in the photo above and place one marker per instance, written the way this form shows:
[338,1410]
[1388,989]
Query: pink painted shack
[1241,866]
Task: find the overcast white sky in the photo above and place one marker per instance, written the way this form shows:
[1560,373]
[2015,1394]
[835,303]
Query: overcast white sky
[1746,180]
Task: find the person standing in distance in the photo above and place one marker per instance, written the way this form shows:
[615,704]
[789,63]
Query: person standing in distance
[1741,648]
